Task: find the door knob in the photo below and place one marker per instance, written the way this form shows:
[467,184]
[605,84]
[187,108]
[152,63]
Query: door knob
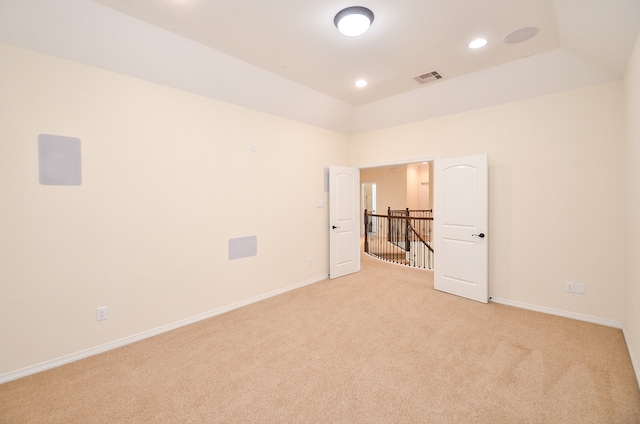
[334,227]
[481,235]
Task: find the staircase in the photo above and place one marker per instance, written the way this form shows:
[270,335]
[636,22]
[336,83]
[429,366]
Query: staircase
[400,236]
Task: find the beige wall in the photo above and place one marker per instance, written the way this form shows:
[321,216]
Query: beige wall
[556,188]
[398,186]
[391,186]
[168,178]
[632,293]
[417,176]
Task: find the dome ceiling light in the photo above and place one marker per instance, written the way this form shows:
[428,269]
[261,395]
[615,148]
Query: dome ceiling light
[353,21]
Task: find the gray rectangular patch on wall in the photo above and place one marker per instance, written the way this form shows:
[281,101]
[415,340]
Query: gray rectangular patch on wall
[326,180]
[59,160]
[243,247]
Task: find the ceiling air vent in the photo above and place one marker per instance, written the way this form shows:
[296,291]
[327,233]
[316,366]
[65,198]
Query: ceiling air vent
[428,77]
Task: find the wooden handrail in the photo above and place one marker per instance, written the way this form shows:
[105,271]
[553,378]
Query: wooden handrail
[389,238]
[424,218]
[419,236]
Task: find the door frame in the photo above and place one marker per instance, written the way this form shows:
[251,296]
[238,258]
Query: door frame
[363,202]
[399,162]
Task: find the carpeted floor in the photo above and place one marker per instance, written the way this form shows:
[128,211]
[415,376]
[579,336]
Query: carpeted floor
[379,346]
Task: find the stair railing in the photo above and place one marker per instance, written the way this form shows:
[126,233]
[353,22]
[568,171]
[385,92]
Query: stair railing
[401,236]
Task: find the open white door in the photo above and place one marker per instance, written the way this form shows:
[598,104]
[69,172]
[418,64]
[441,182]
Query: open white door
[460,226]
[344,221]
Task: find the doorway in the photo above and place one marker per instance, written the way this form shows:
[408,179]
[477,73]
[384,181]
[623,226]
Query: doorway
[397,186]
[397,226]
[369,202]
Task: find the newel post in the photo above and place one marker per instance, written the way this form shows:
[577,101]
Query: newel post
[407,245]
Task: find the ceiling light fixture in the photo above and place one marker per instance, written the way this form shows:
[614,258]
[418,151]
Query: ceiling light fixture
[520,35]
[477,43]
[361,83]
[353,21]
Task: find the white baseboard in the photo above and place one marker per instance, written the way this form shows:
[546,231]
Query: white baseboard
[43,366]
[634,361]
[558,312]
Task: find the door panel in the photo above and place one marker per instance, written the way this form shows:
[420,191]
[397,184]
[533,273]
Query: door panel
[344,219]
[460,226]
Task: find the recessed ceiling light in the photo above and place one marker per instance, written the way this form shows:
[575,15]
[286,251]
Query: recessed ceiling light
[361,83]
[520,35]
[477,43]
[353,21]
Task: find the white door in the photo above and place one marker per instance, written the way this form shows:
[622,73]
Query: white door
[460,226]
[344,221]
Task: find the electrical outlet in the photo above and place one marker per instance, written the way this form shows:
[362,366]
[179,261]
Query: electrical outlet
[101,313]
[570,286]
[309,262]
[580,288]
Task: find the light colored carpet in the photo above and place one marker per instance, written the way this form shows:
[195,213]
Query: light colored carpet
[379,346]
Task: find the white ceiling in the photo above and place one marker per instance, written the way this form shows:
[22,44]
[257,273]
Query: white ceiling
[298,40]
[265,54]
